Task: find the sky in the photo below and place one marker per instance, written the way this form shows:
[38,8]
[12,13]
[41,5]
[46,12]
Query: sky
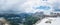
[28,6]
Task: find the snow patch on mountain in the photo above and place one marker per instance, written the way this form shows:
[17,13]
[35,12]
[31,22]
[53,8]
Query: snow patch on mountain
[49,21]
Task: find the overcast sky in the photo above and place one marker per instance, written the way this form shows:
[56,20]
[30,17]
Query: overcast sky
[28,6]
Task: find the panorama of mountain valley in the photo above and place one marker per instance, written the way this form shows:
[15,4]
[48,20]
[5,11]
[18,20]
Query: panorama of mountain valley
[29,12]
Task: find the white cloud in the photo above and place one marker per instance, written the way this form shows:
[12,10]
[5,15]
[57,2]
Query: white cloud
[28,6]
[31,5]
[6,5]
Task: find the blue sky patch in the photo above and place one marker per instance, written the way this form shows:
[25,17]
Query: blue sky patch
[43,7]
